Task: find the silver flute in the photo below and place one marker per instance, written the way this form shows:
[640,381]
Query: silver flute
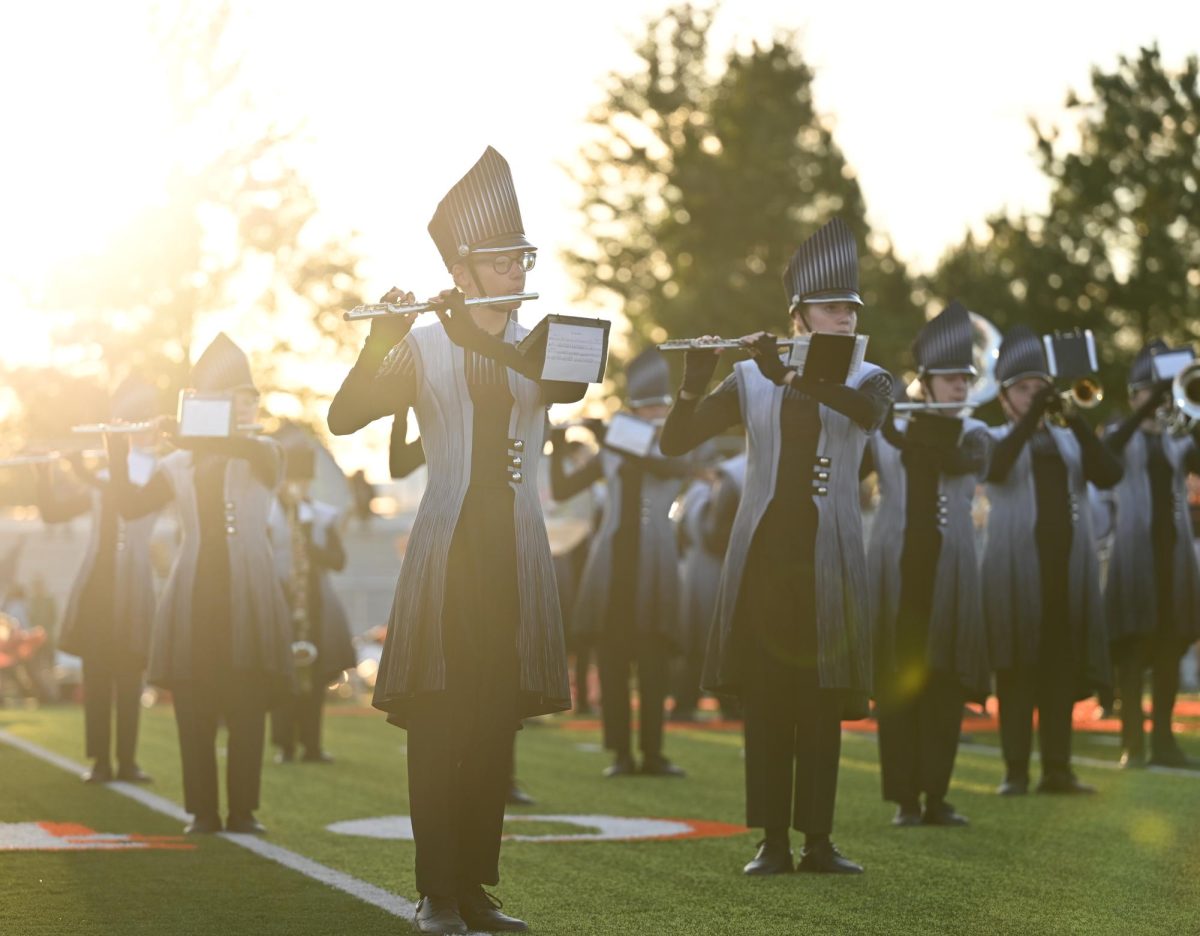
[47,458]
[920,406]
[114,428]
[721,344]
[384,309]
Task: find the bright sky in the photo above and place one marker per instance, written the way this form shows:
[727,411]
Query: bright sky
[930,101]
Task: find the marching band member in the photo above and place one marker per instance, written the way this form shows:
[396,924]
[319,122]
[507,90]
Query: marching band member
[1152,597]
[1041,577]
[222,632]
[930,646]
[628,596]
[308,547]
[110,613]
[475,640]
[791,636]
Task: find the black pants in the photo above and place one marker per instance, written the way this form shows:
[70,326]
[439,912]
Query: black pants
[1160,653]
[298,720]
[106,679]
[1049,689]
[793,743]
[616,659]
[241,703]
[918,738]
[689,672]
[459,764]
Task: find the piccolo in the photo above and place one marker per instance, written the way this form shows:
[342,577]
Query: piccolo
[721,344]
[114,428]
[47,458]
[919,406]
[384,309]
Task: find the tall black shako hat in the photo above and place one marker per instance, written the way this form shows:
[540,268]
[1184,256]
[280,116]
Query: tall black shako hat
[945,344]
[1022,355]
[480,213]
[134,400]
[648,380]
[221,367]
[1141,372]
[824,268]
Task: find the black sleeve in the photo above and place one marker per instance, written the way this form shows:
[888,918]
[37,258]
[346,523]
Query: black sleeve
[1191,461]
[1100,466]
[668,467]
[264,456]
[58,504]
[332,555]
[564,486]
[403,457]
[562,391]
[134,501]
[383,382]
[1008,449]
[693,422]
[867,405]
[1118,438]
[970,456]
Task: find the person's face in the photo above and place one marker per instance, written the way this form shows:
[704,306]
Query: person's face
[949,388]
[1018,398]
[1137,398]
[498,274]
[835,318]
[245,407]
[652,413]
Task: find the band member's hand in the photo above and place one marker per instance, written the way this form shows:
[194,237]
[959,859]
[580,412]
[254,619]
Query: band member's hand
[1046,400]
[764,349]
[698,367]
[451,309]
[1161,392]
[394,328]
[117,446]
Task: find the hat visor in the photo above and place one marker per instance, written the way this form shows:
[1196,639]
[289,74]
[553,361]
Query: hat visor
[833,295]
[502,243]
[944,371]
[1017,378]
[665,400]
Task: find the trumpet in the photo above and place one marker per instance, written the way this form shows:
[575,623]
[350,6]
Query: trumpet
[1085,393]
[1185,400]
[384,309]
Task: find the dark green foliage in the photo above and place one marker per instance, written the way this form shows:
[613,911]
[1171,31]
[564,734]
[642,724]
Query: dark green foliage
[1118,249]
[697,188]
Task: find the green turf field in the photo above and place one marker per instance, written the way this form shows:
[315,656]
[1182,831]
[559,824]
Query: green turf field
[1127,861]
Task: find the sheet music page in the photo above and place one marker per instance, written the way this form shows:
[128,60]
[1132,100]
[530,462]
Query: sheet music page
[206,418]
[632,435]
[573,352]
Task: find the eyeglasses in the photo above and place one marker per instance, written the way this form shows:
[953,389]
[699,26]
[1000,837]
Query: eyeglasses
[504,262]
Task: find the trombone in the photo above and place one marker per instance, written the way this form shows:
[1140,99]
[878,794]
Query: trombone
[384,309]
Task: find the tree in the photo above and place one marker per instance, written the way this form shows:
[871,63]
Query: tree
[1118,249]
[696,189]
[232,231]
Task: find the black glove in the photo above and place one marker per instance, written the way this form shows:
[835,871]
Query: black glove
[698,367]
[390,330]
[1046,400]
[765,350]
[451,309]
[1161,393]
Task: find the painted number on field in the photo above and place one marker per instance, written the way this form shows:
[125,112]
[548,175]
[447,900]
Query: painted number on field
[69,836]
[591,828]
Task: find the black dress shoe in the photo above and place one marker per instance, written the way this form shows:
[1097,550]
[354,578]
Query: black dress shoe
[245,824]
[481,911]
[1013,786]
[907,816]
[772,858]
[623,766]
[518,797]
[439,915]
[203,825]
[134,774]
[100,773]
[317,757]
[826,859]
[942,814]
[1063,783]
[661,767]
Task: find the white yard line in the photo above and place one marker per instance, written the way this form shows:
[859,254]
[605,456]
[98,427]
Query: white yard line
[367,893]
